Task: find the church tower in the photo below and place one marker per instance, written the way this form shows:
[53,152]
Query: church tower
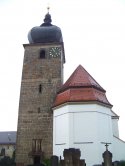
[42,76]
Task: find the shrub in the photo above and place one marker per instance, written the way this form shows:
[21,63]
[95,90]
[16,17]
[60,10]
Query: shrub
[7,161]
[122,163]
[46,162]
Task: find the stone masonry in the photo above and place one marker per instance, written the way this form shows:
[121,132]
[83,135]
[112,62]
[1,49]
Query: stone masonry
[41,79]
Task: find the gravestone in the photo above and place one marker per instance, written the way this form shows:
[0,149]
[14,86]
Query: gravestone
[72,158]
[54,161]
[107,157]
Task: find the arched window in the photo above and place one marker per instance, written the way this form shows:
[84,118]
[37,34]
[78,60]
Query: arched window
[42,54]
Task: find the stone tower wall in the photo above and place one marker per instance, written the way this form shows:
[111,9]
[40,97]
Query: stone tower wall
[35,119]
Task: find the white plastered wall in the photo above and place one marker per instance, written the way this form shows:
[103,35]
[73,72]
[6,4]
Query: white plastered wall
[84,126]
[118,149]
[115,127]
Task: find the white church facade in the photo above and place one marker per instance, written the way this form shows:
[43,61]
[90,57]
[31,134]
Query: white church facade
[83,119]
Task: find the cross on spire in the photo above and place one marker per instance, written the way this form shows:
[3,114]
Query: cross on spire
[106,145]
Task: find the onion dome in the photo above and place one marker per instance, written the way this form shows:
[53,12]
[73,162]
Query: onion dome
[81,87]
[45,33]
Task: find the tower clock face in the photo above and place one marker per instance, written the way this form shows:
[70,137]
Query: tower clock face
[55,52]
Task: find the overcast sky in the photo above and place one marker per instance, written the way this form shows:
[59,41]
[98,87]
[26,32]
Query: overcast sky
[94,36]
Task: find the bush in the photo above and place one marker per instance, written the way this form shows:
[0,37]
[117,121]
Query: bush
[46,162]
[7,161]
[122,163]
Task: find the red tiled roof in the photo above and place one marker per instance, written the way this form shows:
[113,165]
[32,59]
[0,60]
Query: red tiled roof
[81,87]
[81,78]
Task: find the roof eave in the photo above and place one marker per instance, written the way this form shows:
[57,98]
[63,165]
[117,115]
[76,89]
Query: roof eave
[78,87]
[81,102]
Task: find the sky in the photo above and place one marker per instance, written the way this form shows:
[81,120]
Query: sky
[93,34]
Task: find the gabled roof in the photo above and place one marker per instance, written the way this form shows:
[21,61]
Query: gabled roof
[8,137]
[81,87]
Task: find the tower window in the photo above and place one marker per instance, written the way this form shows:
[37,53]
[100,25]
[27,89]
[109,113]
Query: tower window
[40,88]
[38,109]
[37,145]
[42,54]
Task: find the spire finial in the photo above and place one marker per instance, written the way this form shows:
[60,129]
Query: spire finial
[47,19]
[48,8]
